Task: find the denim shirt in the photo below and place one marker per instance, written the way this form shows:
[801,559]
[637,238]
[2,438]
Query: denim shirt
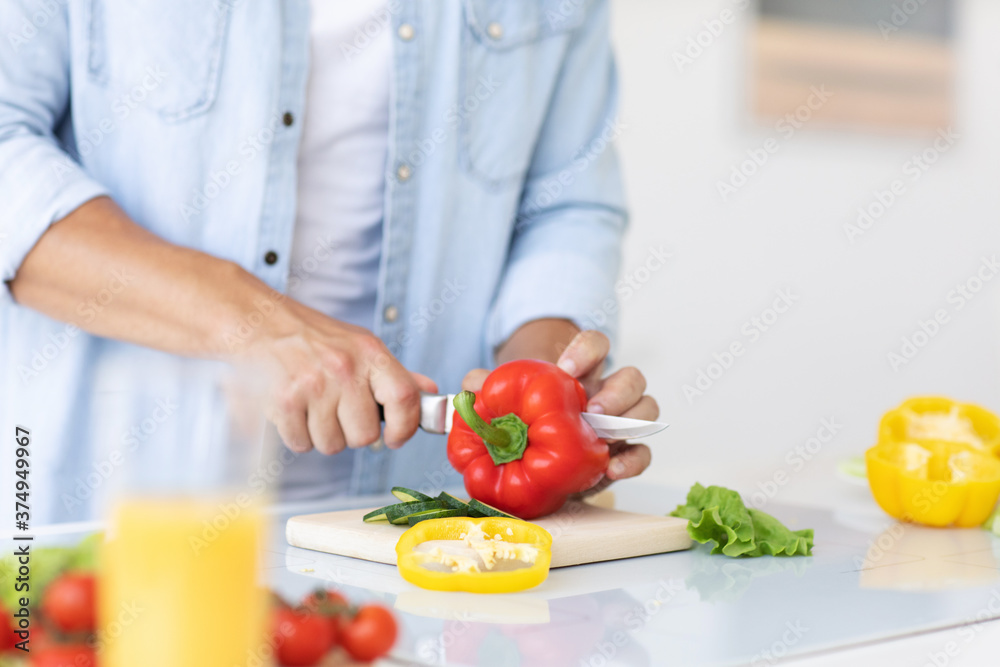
[503,199]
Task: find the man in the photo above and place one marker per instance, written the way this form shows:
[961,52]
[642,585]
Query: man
[373,197]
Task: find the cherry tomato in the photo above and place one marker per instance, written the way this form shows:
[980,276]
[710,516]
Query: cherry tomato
[75,655]
[332,605]
[70,603]
[370,634]
[7,637]
[302,637]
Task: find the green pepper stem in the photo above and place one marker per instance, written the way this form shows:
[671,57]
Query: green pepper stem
[505,437]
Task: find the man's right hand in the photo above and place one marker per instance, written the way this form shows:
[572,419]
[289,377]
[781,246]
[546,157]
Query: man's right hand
[331,378]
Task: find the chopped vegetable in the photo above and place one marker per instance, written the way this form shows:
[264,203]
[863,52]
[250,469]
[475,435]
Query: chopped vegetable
[938,419]
[409,495]
[934,483]
[486,555]
[718,516]
[521,444]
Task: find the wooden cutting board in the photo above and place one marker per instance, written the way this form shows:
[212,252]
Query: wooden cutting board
[581,533]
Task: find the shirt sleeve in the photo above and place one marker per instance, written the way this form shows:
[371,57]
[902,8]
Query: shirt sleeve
[39,182]
[565,253]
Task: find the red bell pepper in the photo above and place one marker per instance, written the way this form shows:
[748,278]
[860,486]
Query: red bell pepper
[521,444]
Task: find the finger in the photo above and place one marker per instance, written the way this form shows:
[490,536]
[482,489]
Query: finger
[585,353]
[474,379]
[395,389]
[324,427]
[358,415]
[630,461]
[290,420]
[425,384]
[646,409]
[620,391]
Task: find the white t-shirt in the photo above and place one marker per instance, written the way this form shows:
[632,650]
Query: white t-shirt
[341,181]
[342,162]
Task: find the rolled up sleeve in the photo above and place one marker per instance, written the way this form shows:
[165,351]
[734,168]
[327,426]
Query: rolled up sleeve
[565,253]
[39,182]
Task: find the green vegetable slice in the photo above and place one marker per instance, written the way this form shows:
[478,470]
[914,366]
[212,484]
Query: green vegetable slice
[376,516]
[453,502]
[409,495]
[718,516]
[480,509]
[397,513]
[414,519]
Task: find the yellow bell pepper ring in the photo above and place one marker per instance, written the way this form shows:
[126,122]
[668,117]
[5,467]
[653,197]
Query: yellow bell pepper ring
[934,483]
[941,419]
[488,555]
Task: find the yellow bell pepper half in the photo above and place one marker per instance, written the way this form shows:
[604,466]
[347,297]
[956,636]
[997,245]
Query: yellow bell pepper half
[932,418]
[934,483]
[507,555]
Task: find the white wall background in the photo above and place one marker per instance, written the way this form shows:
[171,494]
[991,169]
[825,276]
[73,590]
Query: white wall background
[827,357]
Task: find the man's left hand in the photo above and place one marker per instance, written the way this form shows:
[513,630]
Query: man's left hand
[618,394]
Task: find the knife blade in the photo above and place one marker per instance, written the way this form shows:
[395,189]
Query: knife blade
[437,412]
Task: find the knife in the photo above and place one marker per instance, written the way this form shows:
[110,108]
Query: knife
[438,410]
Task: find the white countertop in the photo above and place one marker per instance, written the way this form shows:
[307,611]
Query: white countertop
[875,592]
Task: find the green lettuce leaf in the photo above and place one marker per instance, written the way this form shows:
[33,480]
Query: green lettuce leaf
[718,516]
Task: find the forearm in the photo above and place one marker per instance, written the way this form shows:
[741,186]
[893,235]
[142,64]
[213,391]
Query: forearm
[543,339]
[109,276]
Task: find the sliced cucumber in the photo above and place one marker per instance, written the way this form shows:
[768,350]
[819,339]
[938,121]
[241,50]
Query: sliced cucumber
[376,516]
[479,509]
[409,495]
[453,502]
[414,519]
[397,513]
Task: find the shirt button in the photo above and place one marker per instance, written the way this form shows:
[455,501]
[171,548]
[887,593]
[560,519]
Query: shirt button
[288,119]
[406,32]
[271,258]
[403,173]
[494,30]
[390,314]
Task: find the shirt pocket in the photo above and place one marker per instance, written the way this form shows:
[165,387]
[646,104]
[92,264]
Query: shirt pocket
[512,53]
[165,55]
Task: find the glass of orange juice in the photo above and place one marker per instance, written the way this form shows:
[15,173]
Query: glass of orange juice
[180,571]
